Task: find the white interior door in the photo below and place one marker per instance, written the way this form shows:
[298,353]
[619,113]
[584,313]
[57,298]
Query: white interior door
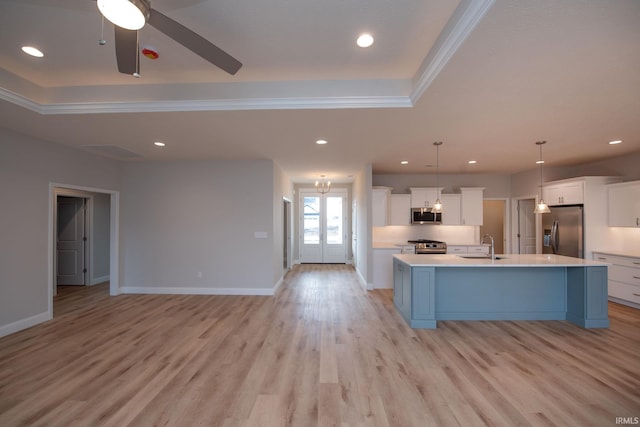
[526,227]
[323,236]
[70,245]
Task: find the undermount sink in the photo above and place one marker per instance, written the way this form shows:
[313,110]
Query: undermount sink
[481,257]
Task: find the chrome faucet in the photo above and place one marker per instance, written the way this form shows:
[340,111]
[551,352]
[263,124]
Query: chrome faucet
[493,253]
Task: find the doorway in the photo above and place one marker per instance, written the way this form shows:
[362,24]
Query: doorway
[110,199]
[495,223]
[323,228]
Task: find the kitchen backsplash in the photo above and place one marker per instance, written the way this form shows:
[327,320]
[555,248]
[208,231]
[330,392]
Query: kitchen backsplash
[622,239]
[452,235]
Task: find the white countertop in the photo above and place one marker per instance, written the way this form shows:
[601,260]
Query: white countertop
[618,253]
[386,245]
[508,260]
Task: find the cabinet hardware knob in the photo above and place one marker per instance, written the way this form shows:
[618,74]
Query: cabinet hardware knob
[636,277]
[601,258]
[638,295]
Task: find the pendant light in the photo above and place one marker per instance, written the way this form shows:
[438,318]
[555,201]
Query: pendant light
[541,207]
[437,206]
[323,186]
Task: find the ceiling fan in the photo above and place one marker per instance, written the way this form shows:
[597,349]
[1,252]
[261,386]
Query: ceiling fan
[128,16]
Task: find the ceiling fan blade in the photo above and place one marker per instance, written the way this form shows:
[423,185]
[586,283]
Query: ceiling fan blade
[127,53]
[194,42]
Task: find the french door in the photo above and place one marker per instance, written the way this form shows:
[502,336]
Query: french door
[323,236]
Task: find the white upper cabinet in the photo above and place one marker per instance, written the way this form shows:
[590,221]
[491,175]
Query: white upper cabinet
[471,206]
[380,199]
[451,209]
[624,204]
[566,193]
[424,197]
[400,209]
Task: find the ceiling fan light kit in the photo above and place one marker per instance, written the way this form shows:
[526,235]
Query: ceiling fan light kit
[127,14]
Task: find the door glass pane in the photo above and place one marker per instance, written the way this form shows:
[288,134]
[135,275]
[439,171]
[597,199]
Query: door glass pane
[311,220]
[334,220]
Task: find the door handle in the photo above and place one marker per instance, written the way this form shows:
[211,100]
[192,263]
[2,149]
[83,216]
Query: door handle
[554,237]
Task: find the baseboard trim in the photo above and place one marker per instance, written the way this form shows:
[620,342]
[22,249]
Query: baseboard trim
[24,323]
[98,280]
[362,280]
[197,291]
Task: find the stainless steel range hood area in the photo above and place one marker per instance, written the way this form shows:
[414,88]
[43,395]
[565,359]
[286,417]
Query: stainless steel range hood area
[425,216]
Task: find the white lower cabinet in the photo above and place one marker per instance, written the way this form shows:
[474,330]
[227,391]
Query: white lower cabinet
[468,249]
[383,267]
[624,277]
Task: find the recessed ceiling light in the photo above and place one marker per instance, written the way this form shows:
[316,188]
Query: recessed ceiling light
[30,50]
[321,142]
[159,144]
[615,142]
[404,162]
[364,40]
[472,162]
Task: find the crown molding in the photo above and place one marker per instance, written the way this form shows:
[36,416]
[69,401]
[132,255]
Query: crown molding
[313,95]
[464,20]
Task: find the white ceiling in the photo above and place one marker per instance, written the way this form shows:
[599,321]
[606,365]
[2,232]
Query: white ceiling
[486,78]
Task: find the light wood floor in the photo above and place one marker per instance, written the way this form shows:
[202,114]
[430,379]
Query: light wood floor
[321,352]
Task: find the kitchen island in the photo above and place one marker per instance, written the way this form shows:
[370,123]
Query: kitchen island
[428,288]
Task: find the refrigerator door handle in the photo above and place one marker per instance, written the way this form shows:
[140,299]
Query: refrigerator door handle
[554,236]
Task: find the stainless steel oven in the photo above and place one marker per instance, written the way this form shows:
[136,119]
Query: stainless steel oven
[424,246]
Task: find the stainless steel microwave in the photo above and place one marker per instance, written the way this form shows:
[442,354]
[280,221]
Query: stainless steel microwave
[425,216]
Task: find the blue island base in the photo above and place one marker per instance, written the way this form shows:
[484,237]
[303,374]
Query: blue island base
[578,294]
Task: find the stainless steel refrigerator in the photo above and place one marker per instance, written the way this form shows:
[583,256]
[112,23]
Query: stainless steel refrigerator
[563,231]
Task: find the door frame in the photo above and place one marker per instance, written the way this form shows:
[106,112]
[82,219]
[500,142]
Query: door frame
[344,192]
[287,249]
[56,189]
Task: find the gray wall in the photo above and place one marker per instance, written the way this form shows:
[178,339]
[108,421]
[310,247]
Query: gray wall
[100,238]
[183,217]
[27,167]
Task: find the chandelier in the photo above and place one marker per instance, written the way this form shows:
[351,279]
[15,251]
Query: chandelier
[323,186]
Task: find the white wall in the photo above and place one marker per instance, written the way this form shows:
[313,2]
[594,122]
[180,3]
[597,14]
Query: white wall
[363,233]
[27,167]
[452,234]
[181,218]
